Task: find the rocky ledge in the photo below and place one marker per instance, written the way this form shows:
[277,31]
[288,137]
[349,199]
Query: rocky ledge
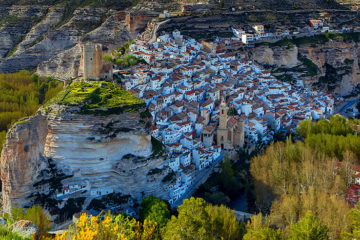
[97,151]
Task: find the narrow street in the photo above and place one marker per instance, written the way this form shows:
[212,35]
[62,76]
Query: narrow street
[200,179]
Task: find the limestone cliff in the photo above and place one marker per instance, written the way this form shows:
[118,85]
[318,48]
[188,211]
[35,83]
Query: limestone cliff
[332,66]
[338,64]
[106,152]
[50,35]
[281,57]
[45,35]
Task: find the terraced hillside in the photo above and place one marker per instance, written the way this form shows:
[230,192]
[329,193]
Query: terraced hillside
[48,32]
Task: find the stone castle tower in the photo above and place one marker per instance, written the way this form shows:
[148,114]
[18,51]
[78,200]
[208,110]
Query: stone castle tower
[230,132]
[92,61]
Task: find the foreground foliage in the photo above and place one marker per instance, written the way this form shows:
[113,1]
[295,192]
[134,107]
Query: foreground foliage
[199,220]
[35,214]
[196,220]
[155,210]
[7,234]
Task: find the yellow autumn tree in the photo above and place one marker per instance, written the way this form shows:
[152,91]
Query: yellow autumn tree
[109,228]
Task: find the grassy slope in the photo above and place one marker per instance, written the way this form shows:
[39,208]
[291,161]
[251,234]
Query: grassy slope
[98,95]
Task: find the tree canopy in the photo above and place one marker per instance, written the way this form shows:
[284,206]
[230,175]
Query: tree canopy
[154,209]
[199,220]
[21,94]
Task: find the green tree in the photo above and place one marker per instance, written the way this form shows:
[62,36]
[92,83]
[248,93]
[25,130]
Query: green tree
[36,215]
[354,218]
[155,209]
[230,185]
[259,229]
[308,228]
[199,220]
[21,94]
[17,213]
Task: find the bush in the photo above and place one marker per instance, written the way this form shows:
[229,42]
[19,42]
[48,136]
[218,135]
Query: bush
[7,234]
[36,215]
[154,209]
[348,61]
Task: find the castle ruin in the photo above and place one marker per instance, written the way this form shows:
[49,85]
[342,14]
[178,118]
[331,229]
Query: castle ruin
[94,68]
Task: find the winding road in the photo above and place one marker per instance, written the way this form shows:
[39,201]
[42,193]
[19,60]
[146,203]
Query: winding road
[347,105]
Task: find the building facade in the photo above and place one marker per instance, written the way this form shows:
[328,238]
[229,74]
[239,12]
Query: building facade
[230,132]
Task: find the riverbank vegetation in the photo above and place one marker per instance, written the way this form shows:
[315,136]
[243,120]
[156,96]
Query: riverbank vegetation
[21,94]
[293,178]
[197,219]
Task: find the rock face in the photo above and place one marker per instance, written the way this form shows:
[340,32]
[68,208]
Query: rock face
[281,57]
[44,36]
[106,153]
[34,34]
[25,228]
[338,64]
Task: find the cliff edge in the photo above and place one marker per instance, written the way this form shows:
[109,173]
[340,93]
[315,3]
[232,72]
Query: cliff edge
[92,140]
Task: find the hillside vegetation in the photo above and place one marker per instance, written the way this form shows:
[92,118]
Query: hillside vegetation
[21,94]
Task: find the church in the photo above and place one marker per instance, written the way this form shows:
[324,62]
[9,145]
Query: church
[230,132]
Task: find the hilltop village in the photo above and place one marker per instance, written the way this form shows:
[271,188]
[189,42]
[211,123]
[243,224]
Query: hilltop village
[204,100]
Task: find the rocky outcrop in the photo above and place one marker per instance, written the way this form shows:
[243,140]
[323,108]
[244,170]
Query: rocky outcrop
[21,159]
[278,56]
[48,38]
[25,228]
[338,64]
[105,152]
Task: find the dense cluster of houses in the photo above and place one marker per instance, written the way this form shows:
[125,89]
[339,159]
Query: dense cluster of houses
[183,85]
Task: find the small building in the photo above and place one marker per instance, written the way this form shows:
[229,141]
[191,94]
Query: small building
[315,23]
[165,14]
[207,136]
[247,38]
[259,29]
